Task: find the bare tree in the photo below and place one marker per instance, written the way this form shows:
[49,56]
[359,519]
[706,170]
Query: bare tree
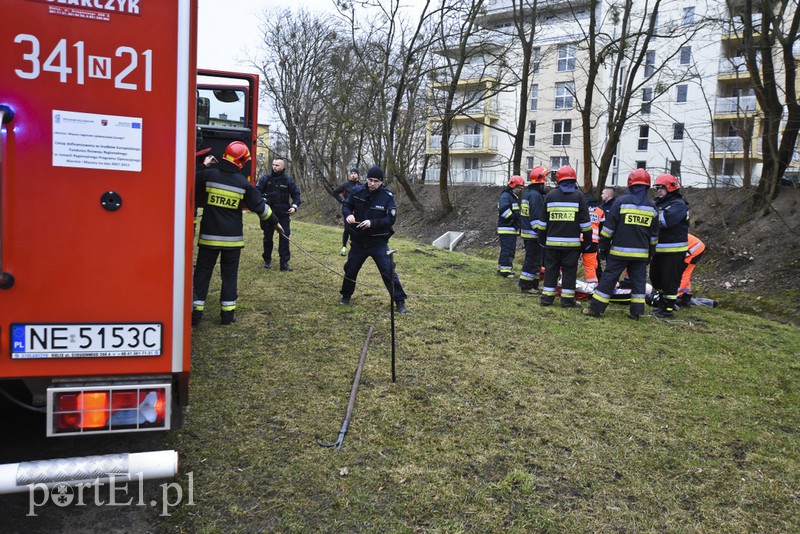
[296,70]
[621,43]
[768,41]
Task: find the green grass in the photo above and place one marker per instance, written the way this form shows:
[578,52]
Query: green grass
[505,417]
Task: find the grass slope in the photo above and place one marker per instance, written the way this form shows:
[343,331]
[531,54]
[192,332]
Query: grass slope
[506,417]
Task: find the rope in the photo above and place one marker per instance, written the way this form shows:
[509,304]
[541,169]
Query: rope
[416,295]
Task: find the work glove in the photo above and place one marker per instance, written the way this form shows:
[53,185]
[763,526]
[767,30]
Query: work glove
[602,254]
[591,247]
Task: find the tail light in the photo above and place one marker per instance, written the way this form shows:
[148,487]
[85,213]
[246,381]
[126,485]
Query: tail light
[106,409]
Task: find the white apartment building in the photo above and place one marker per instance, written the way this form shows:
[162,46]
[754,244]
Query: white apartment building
[691,107]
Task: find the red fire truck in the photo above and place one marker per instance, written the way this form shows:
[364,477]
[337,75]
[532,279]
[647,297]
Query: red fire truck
[102,116]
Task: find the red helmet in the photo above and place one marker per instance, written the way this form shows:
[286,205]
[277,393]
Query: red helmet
[237,153]
[565,173]
[539,174]
[668,181]
[516,181]
[639,177]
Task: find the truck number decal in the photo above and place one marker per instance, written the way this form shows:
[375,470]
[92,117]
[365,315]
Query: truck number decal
[93,66]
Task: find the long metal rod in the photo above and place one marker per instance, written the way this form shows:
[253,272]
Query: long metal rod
[352,403]
[390,253]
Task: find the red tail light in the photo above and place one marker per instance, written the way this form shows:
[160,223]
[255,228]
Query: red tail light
[121,408]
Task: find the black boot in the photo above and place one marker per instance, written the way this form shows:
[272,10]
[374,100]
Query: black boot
[227,317]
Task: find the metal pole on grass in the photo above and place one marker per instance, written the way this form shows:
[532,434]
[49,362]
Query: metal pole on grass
[352,403]
[390,253]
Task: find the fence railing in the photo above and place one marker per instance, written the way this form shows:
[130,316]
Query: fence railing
[464,141]
[735,104]
[460,175]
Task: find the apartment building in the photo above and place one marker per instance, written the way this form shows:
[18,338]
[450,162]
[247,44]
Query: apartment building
[692,110]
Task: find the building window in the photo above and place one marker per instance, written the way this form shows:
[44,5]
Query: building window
[566,57]
[644,134]
[675,168]
[647,97]
[562,130]
[557,162]
[529,163]
[532,133]
[688,16]
[649,63]
[564,92]
[472,170]
[474,135]
[677,131]
[537,59]
[654,18]
[683,93]
[686,55]
[641,165]
[534,97]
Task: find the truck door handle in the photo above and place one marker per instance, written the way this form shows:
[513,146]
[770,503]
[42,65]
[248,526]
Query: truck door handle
[6,279]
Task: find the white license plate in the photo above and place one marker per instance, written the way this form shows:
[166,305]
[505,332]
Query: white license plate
[97,340]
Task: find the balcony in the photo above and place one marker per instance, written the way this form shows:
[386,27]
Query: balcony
[733,148]
[735,67]
[465,144]
[735,105]
[462,176]
[734,29]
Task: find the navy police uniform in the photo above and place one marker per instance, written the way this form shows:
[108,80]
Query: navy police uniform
[380,209]
[281,193]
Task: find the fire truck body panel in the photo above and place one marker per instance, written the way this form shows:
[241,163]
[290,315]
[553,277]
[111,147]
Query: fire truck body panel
[96,199]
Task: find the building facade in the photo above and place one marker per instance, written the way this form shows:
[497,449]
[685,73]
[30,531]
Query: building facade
[691,109]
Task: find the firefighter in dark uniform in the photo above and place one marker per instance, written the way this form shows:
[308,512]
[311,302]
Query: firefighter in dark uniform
[627,242]
[283,197]
[369,214]
[221,192]
[666,267]
[531,210]
[566,217]
[341,194]
[508,225]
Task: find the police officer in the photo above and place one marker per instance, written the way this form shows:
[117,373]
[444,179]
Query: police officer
[220,192]
[508,225]
[283,196]
[666,267]
[531,210]
[345,189]
[627,241]
[566,217]
[369,215]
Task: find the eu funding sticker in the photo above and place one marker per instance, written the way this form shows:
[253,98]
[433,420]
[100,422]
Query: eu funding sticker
[92,141]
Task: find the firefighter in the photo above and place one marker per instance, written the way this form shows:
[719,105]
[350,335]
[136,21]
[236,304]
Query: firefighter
[220,191]
[283,196]
[590,265]
[565,219]
[531,209]
[693,256]
[341,194]
[627,242]
[369,214]
[673,243]
[508,224]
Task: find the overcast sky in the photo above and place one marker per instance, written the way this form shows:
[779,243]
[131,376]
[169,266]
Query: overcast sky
[229,31]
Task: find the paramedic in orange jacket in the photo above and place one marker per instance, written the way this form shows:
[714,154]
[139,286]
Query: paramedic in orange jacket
[590,265]
[693,255]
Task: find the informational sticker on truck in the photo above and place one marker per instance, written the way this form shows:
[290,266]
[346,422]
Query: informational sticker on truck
[98,340]
[92,141]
